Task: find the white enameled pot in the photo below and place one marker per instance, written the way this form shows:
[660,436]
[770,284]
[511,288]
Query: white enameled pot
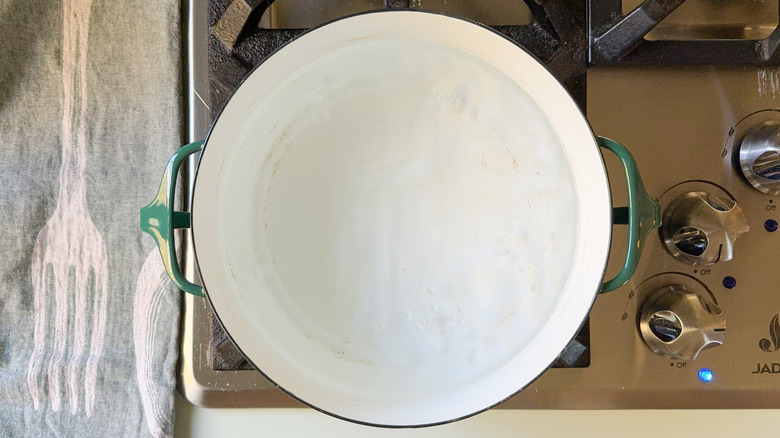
[401,218]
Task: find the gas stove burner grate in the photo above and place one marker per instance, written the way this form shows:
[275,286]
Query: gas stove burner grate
[238,42]
[618,39]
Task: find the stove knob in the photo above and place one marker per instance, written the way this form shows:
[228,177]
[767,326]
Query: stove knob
[679,323]
[701,228]
[759,157]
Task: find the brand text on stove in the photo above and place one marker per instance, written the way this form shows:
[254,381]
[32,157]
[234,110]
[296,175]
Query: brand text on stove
[767,368]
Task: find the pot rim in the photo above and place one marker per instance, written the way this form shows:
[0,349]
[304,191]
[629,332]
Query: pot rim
[584,304]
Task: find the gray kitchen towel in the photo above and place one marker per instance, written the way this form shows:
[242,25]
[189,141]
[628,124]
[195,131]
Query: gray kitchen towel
[90,98]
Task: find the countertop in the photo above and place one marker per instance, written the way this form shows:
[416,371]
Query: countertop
[192,421]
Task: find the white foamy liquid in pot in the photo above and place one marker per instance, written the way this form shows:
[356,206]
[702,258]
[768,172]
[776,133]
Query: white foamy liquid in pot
[420,215]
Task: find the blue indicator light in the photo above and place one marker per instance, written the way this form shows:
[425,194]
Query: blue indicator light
[770,225]
[729,282]
[705,375]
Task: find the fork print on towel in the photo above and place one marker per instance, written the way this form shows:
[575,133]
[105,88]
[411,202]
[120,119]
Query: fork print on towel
[69,260]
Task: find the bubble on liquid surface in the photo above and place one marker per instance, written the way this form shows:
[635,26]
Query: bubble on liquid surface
[405,315]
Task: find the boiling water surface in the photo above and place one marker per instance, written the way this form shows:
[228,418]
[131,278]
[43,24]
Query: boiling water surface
[416,218]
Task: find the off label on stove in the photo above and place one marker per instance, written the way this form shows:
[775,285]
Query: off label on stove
[678,365]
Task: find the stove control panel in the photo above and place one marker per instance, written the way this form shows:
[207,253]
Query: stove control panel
[698,325]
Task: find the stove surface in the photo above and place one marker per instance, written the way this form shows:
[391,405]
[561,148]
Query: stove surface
[685,125]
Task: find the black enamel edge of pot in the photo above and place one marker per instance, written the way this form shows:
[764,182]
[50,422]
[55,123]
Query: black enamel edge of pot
[195,248]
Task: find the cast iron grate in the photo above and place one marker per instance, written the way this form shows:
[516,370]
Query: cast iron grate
[618,39]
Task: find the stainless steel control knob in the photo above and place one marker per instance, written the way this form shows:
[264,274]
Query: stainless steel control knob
[701,228]
[759,157]
[679,323]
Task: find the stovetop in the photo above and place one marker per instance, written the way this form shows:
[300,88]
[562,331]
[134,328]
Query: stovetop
[683,96]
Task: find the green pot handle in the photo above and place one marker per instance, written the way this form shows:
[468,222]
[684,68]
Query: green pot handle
[642,214]
[159,220]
